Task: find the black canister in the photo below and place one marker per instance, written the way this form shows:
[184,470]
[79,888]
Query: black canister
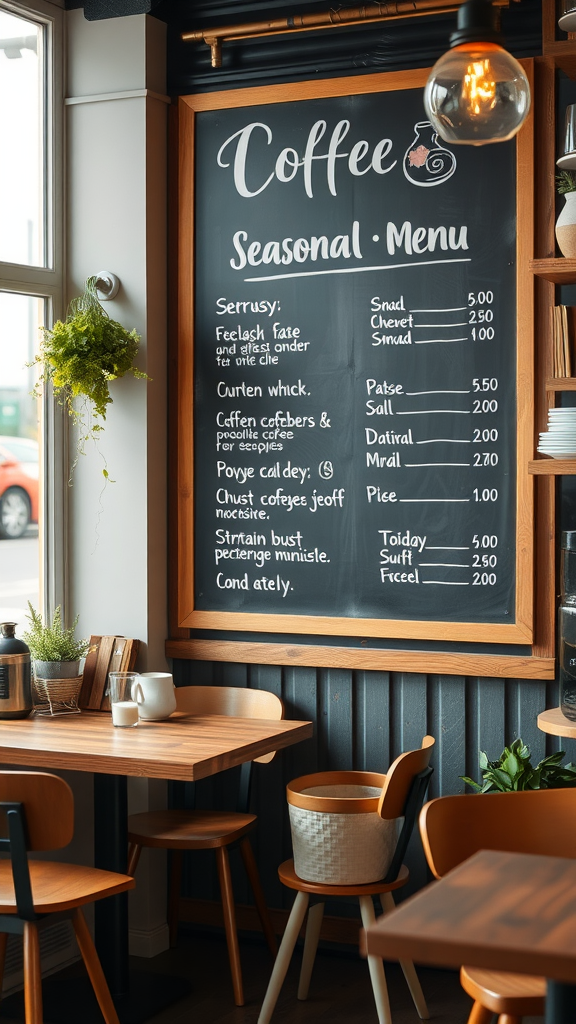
[15,688]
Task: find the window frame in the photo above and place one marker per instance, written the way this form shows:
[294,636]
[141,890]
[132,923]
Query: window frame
[48,283]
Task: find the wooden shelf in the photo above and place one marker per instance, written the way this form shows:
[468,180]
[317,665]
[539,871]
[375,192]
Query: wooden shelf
[552,467]
[560,383]
[557,269]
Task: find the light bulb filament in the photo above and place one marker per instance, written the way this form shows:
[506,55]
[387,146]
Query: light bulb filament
[479,88]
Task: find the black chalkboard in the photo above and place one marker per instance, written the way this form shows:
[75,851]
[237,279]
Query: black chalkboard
[355,371]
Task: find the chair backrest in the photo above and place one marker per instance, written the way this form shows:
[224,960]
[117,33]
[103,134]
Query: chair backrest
[541,821]
[48,807]
[234,701]
[400,776]
[403,794]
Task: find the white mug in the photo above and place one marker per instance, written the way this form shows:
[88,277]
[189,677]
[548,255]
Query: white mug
[154,694]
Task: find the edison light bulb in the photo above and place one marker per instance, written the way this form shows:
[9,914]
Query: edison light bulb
[477,92]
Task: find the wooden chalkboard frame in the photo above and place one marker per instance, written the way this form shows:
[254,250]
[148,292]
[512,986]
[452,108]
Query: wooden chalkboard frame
[185,615]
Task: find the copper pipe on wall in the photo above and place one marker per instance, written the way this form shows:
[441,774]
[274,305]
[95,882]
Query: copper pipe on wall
[335,18]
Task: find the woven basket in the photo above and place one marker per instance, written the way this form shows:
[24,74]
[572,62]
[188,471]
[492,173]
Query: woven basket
[57,696]
[338,837]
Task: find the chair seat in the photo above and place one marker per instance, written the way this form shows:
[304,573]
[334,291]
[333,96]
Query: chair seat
[57,886]
[521,995]
[188,830]
[289,878]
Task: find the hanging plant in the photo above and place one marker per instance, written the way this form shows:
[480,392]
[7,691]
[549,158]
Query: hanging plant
[80,356]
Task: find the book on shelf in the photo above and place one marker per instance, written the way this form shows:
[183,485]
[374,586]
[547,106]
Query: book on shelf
[563,333]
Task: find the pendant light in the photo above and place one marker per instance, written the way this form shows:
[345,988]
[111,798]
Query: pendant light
[477,92]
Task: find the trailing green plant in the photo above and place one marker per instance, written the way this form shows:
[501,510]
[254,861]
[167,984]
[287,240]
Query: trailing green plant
[80,356]
[513,771]
[565,182]
[52,642]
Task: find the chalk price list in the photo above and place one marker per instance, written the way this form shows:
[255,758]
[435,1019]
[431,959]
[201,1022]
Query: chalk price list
[447,433]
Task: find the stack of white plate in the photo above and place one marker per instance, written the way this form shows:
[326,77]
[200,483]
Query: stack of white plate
[559,440]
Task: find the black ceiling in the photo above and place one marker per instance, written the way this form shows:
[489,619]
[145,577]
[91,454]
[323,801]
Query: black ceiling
[388,46]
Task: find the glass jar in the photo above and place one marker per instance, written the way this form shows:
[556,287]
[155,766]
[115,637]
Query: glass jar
[567,625]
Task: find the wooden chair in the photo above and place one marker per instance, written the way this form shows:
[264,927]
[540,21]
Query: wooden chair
[37,813]
[536,821]
[177,830]
[404,790]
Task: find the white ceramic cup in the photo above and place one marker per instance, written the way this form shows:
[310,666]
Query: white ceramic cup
[124,708]
[154,694]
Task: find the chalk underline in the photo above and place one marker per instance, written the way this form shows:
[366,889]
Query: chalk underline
[445,583]
[355,270]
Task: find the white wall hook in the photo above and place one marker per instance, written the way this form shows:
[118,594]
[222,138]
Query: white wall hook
[107,285]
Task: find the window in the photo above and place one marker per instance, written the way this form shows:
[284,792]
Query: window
[31,284]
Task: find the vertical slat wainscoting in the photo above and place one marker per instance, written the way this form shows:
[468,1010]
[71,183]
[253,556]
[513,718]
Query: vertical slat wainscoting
[363,720]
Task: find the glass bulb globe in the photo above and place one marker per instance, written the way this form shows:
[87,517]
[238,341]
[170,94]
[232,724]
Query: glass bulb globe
[477,93]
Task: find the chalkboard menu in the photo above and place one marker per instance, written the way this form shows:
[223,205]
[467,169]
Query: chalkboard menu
[357,374]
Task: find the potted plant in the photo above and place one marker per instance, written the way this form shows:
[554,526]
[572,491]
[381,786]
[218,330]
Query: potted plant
[55,651]
[80,356]
[566,223]
[513,771]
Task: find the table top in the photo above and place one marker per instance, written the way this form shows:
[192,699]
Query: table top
[184,747]
[554,722]
[501,911]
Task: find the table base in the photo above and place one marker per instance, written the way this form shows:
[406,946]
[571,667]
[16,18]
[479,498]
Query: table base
[71,1000]
[560,1003]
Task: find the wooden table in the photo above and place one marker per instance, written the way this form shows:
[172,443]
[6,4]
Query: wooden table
[184,747]
[555,723]
[501,911]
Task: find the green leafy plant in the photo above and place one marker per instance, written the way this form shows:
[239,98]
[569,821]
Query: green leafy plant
[565,182]
[80,356]
[51,642]
[513,771]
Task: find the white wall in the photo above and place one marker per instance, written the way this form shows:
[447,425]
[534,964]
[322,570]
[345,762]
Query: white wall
[116,214]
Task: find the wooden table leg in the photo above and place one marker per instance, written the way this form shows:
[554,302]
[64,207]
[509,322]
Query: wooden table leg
[560,1003]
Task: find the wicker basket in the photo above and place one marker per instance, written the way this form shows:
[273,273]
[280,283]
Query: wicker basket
[338,837]
[57,696]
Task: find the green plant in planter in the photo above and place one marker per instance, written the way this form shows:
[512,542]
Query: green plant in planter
[565,182]
[513,771]
[51,642]
[80,356]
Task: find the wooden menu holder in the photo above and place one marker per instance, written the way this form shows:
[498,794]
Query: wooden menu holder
[107,654]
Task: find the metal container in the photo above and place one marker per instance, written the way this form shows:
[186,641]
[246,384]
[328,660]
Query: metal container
[15,688]
[567,19]
[568,158]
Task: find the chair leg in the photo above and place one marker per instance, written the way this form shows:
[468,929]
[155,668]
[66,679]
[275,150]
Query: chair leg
[230,922]
[313,926]
[509,1018]
[480,1015]
[32,975]
[408,969]
[3,945]
[94,967]
[174,890]
[134,851]
[282,961]
[254,879]
[375,966]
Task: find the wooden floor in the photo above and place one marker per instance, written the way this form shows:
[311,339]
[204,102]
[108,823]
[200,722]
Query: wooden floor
[340,992]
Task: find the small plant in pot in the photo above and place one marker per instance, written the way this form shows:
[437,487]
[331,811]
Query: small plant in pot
[514,771]
[79,357]
[55,651]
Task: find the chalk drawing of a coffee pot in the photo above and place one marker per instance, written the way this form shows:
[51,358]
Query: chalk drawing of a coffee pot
[426,162]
